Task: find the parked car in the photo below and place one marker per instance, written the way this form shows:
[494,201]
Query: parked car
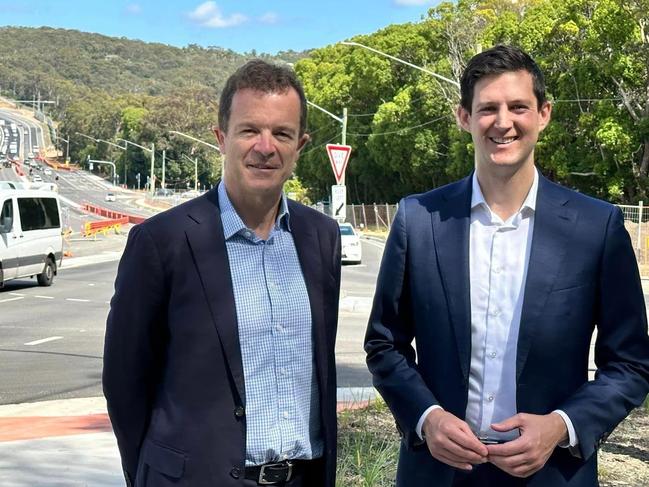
[48,171]
[163,192]
[351,244]
[31,243]
[37,179]
[110,197]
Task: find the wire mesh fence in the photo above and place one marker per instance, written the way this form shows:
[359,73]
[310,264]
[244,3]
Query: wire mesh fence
[378,217]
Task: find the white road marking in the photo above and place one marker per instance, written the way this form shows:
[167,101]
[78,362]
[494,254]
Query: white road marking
[379,245]
[44,340]
[11,299]
[44,297]
[78,300]
[17,294]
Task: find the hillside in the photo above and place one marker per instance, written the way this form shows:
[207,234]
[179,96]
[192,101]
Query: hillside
[47,59]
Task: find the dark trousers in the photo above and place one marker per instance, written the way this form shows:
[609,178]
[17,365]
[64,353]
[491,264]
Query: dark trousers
[486,475]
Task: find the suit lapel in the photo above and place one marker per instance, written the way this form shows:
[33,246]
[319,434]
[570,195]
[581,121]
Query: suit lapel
[451,233]
[309,253]
[207,244]
[553,227]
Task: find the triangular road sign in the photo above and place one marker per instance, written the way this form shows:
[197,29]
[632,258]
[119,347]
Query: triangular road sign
[339,157]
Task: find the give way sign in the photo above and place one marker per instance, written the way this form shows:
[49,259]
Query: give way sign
[339,157]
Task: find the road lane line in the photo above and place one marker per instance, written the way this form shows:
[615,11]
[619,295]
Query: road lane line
[78,300]
[44,340]
[44,297]
[17,294]
[11,299]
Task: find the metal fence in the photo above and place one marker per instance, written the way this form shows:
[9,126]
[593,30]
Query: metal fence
[636,221]
[378,217]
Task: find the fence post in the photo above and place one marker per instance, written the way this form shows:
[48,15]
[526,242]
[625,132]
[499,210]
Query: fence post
[376,217]
[364,217]
[387,212]
[353,215]
[639,230]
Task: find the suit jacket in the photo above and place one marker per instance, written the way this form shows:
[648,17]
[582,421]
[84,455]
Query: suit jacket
[173,373]
[582,273]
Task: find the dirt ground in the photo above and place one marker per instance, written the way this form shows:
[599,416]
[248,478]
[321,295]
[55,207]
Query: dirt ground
[624,458]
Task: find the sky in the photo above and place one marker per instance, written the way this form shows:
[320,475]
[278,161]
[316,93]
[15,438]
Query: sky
[242,25]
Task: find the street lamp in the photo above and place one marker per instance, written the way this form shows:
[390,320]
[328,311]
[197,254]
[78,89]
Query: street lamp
[125,155]
[432,73]
[67,150]
[175,132]
[195,161]
[152,151]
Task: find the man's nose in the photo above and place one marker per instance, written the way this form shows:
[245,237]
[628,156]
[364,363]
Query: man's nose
[264,144]
[503,118]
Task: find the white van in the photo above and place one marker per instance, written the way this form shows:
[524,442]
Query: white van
[31,242]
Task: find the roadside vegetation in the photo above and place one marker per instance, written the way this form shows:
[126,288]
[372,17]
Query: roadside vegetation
[368,446]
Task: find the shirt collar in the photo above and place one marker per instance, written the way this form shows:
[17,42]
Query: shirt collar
[477,198]
[232,222]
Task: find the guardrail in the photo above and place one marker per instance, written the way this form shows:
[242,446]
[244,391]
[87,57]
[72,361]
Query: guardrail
[91,229]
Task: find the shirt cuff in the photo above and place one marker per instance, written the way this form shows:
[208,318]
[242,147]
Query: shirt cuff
[572,434]
[420,423]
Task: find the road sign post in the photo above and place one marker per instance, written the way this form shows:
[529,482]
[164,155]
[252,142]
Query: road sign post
[339,202]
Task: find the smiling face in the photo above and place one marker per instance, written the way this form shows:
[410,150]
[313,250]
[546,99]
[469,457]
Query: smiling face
[262,143]
[505,122]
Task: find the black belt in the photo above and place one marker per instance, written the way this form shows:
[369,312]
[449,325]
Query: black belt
[274,473]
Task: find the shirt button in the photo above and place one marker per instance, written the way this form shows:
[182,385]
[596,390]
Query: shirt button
[283,371]
[239,411]
[493,354]
[494,312]
[279,328]
[285,414]
[235,472]
[497,269]
[490,398]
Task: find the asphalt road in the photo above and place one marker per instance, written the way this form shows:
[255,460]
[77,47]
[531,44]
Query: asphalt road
[51,339]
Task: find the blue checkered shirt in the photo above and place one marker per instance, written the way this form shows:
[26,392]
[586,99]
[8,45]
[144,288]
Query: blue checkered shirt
[274,322]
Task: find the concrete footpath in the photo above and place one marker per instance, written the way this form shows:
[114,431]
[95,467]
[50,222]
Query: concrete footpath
[69,443]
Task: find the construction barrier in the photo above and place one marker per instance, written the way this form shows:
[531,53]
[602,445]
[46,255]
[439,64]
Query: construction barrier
[91,229]
[106,213]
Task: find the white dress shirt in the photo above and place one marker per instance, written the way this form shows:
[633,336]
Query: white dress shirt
[499,254]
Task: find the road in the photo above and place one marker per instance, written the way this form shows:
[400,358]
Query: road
[51,339]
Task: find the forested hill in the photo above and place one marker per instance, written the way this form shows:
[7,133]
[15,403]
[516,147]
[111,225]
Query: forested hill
[45,59]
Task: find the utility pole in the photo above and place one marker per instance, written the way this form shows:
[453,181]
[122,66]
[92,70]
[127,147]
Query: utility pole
[164,154]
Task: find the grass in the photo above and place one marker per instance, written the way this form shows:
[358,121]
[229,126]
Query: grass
[368,448]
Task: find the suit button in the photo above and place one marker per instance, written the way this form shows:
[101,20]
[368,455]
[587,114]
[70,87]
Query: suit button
[235,472]
[239,411]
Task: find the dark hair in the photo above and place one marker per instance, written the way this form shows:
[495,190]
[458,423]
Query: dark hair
[497,60]
[261,76]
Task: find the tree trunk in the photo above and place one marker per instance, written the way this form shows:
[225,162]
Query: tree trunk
[644,165]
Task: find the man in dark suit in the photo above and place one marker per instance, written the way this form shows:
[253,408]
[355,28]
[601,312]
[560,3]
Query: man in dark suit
[219,356]
[500,279]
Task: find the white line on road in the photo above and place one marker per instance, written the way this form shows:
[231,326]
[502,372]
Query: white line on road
[78,300]
[44,297]
[17,294]
[11,299]
[44,340]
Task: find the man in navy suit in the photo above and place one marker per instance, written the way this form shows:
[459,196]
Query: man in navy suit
[501,279]
[219,355]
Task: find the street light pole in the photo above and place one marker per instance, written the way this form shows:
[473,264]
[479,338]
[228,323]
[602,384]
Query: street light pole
[200,142]
[342,120]
[125,158]
[432,73]
[67,150]
[195,161]
[152,150]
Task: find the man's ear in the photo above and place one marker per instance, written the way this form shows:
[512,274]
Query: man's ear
[304,140]
[463,118]
[220,138]
[545,114]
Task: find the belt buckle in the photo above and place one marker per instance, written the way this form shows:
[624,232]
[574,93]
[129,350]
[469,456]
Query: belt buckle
[262,473]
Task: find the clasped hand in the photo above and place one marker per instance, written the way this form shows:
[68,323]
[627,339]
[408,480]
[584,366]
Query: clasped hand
[450,440]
